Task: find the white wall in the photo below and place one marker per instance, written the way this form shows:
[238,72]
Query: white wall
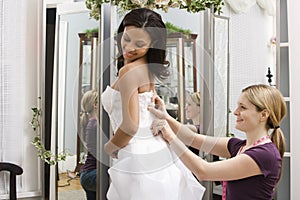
[250,53]
[294,58]
[20,44]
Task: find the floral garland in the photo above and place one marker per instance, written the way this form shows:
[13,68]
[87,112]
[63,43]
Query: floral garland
[193,6]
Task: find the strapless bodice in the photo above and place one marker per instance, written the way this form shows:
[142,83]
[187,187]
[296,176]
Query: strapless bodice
[111,101]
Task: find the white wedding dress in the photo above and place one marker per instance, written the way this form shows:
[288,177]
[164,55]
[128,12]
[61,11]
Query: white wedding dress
[146,169]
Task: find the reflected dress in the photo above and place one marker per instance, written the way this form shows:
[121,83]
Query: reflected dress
[146,169]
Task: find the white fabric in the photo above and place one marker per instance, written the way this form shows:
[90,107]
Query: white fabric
[11,93]
[19,43]
[146,168]
[267,5]
[242,6]
[239,6]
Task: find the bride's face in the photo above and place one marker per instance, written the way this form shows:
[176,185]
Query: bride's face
[135,43]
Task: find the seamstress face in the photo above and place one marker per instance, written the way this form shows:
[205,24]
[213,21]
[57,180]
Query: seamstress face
[247,116]
[192,109]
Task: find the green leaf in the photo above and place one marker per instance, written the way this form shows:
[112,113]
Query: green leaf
[46,155]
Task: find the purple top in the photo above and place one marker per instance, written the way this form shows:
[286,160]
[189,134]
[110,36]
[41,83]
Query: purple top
[268,159]
[91,143]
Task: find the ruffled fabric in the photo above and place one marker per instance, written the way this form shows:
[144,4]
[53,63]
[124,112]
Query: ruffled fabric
[242,6]
[239,6]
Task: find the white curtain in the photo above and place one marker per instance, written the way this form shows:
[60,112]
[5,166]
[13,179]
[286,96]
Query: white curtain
[242,6]
[18,93]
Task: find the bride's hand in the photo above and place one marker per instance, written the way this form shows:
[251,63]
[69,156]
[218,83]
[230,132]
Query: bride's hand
[159,110]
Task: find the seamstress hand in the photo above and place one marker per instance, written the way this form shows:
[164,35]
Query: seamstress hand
[159,110]
[161,126]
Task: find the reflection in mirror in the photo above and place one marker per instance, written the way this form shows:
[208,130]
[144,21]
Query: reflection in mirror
[86,82]
[76,69]
[221,75]
[183,53]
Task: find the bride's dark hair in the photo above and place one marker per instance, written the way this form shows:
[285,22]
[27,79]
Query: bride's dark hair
[152,23]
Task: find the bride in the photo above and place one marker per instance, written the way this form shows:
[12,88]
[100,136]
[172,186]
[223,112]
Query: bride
[144,167]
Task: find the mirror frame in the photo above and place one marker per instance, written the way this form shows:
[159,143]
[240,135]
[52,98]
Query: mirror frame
[48,4]
[217,76]
[63,7]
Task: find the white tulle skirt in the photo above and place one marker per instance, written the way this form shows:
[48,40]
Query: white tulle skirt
[147,169]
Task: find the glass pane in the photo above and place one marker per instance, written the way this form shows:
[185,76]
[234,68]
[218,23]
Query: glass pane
[285,126]
[283,190]
[190,66]
[76,23]
[284,71]
[172,57]
[283,21]
[169,90]
[181,53]
[86,66]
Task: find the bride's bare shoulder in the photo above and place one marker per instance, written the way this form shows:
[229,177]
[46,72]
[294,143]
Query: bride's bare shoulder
[133,69]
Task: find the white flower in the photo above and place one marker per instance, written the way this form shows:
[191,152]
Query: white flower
[139,2]
[162,2]
[184,2]
[175,5]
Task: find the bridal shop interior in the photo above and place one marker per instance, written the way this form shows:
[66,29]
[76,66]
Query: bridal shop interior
[53,51]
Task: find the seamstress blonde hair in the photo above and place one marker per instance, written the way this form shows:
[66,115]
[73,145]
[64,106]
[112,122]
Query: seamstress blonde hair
[88,102]
[196,98]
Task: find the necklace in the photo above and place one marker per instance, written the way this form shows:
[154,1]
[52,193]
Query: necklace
[259,141]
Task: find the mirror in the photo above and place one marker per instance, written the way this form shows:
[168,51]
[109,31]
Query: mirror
[186,56]
[76,69]
[87,80]
[183,53]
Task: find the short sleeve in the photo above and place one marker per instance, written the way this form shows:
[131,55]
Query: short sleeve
[266,157]
[234,144]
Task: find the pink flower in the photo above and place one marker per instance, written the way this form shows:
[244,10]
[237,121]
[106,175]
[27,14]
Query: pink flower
[273,40]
